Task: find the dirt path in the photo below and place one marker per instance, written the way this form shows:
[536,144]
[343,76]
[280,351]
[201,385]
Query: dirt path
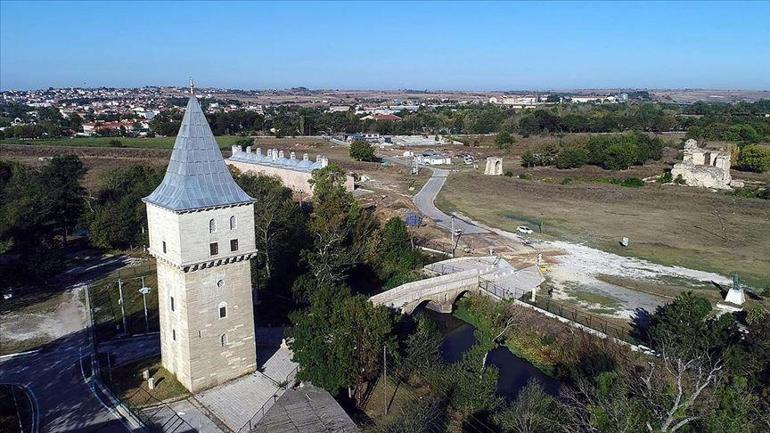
[38,324]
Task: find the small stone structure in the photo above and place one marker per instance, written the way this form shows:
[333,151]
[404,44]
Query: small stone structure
[294,173]
[703,167]
[494,166]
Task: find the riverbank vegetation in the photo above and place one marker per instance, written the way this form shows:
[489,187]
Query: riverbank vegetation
[705,377]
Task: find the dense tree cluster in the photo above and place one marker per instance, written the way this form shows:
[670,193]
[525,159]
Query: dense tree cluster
[119,216]
[39,209]
[338,336]
[612,152]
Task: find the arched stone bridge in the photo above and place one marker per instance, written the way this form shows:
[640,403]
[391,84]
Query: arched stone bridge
[490,276]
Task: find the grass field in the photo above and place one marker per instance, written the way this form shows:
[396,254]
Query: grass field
[127,380]
[666,224]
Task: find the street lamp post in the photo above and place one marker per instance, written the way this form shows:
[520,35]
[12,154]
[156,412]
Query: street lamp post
[144,291]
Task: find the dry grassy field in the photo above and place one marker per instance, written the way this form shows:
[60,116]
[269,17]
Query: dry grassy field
[666,224]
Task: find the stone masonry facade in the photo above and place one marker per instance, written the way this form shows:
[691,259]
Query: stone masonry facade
[202,344]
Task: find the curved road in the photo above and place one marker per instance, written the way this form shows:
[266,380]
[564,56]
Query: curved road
[424,200]
[58,387]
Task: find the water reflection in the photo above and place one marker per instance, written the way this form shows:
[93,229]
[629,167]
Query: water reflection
[514,371]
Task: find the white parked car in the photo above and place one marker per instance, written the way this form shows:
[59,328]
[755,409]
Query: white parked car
[524,229]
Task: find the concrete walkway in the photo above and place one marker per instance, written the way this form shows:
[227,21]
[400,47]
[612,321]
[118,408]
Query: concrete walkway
[424,200]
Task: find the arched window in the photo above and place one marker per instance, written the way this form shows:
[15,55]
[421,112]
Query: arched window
[233,222]
[222,310]
[212,225]
[223,340]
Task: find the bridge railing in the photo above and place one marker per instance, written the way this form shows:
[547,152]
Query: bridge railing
[500,291]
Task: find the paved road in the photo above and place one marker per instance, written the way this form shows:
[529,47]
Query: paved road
[424,200]
[57,379]
[57,384]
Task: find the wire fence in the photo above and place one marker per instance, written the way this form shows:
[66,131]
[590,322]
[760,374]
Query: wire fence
[253,422]
[587,319]
[119,308]
[157,416]
[576,315]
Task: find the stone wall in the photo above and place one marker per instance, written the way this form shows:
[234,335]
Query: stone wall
[494,166]
[296,180]
[703,167]
[192,332]
[192,344]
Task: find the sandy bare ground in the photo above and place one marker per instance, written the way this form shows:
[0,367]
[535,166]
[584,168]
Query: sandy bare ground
[41,323]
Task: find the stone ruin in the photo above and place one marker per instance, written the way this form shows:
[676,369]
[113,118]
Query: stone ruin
[494,166]
[703,167]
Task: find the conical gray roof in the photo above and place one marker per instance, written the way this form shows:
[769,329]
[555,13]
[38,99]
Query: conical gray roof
[197,176]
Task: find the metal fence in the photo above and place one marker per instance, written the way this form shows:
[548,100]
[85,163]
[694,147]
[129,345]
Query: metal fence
[587,319]
[576,315]
[157,416]
[253,422]
[119,308]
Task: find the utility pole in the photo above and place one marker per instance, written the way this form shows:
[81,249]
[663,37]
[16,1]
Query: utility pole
[144,291]
[122,305]
[385,376]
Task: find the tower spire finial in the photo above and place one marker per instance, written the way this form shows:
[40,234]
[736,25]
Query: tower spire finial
[192,87]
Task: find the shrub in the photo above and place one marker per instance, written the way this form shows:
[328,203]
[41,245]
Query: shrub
[680,180]
[525,176]
[666,177]
[116,143]
[571,157]
[508,173]
[754,157]
[632,182]
[503,140]
[362,151]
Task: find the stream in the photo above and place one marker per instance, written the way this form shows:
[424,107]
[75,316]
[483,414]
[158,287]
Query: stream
[515,372]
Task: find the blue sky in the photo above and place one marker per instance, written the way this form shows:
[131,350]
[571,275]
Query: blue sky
[431,45]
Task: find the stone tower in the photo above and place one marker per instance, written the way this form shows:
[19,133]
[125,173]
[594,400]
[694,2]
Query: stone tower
[201,227]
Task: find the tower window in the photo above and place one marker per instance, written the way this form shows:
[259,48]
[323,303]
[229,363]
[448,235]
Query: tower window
[222,310]
[164,247]
[173,334]
[233,222]
[233,244]
[213,248]
[212,225]
[172,303]
[223,340]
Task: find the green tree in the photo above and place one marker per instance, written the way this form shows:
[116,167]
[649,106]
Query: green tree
[533,411]
[362,151]
[119,217]
[423,349]
[754,157]
[571,157]
[503,140]
[338,340]
[685,328]
[395,258]
[64,196]
[340,228]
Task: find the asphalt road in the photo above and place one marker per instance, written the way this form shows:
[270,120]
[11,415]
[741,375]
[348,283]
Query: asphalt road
[57,385]
[57,379]
[424,200]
